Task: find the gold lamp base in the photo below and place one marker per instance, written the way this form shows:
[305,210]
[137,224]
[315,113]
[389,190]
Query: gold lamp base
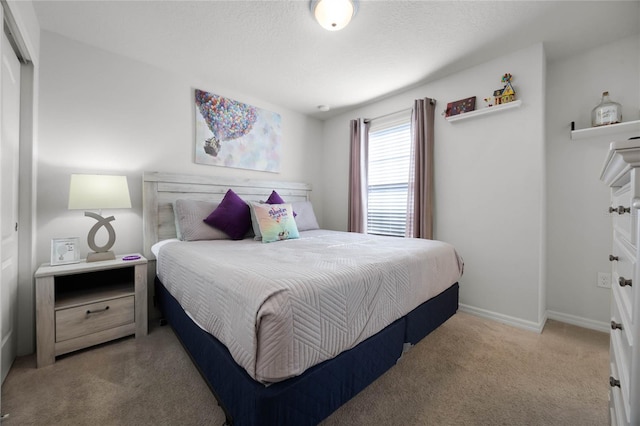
[99,257]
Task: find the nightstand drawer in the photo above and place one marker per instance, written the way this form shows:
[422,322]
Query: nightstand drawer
[94,317]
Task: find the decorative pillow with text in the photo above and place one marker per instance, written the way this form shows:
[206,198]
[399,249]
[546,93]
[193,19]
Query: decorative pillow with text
[275,221]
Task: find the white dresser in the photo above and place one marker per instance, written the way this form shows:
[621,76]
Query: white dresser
[622,173]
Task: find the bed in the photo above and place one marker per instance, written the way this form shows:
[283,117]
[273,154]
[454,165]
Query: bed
[310,376]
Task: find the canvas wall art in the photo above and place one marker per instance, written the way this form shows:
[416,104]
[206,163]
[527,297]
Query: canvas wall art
[234,134]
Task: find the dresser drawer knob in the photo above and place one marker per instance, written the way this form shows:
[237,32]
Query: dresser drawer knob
[615,325]
[624,282]
[612,258]
[620,209]
[89,312]
[613,382]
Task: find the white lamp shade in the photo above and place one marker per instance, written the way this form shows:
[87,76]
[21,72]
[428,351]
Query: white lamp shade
[334,15]
[93,192]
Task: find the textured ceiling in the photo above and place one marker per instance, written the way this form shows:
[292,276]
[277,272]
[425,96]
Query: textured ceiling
[274,50]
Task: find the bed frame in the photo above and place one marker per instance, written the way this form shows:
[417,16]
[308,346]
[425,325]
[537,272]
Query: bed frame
[302,400]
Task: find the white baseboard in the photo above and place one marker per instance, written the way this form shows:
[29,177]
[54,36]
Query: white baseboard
[533,326]
[579,321]
[505,319]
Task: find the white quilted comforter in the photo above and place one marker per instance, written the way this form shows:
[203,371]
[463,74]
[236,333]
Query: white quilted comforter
[283,307]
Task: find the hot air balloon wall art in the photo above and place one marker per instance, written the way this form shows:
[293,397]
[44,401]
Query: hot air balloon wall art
[234,134]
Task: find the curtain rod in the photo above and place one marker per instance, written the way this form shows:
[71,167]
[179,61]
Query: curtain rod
[367,120]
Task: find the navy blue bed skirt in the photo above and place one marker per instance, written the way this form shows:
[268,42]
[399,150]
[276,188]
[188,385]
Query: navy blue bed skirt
[311,397]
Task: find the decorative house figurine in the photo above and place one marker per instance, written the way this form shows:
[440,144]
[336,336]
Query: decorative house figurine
[507,93]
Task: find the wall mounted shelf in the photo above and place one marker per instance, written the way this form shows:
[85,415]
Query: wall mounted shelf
[612,129]
[484,111]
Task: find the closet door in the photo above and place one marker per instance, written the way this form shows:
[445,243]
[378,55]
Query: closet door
[9,142]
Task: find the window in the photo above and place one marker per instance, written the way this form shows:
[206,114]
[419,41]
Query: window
[388,174]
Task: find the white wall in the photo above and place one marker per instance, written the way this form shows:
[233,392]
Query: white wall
[579,229]
[489,183]
[104,113]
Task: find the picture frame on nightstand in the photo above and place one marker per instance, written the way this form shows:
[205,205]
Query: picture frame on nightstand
[65,251]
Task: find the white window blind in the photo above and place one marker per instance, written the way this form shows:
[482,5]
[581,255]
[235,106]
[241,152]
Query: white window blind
[388,175]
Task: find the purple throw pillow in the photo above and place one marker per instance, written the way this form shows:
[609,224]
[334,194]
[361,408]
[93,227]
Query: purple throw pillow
[232,216]
[275,198]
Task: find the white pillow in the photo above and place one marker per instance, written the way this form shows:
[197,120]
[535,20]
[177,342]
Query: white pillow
[305,217]
[190,215]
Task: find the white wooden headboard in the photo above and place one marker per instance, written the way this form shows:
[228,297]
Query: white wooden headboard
[160,190]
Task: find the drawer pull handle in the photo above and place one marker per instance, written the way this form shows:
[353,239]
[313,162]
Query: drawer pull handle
[615,325]
[620,209]
[97,310]
[613,382]
[624,282]
[612,258]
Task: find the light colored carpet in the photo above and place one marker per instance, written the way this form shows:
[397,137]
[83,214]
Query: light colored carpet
[470,371]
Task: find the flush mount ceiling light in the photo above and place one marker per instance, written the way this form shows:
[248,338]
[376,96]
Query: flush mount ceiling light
[334,15]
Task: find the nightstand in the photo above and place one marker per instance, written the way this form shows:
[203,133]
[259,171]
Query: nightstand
[83,304]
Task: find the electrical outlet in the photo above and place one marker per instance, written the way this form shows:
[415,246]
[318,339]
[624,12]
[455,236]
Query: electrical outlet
[604,280]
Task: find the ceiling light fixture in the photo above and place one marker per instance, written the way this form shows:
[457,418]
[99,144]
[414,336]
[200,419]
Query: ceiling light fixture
[334,15]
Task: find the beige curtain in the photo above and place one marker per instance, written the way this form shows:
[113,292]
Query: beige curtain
[420,191]
[357,221]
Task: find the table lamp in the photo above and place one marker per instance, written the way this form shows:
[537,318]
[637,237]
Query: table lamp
[97,192]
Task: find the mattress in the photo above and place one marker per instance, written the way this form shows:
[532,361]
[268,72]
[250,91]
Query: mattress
[283,307]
